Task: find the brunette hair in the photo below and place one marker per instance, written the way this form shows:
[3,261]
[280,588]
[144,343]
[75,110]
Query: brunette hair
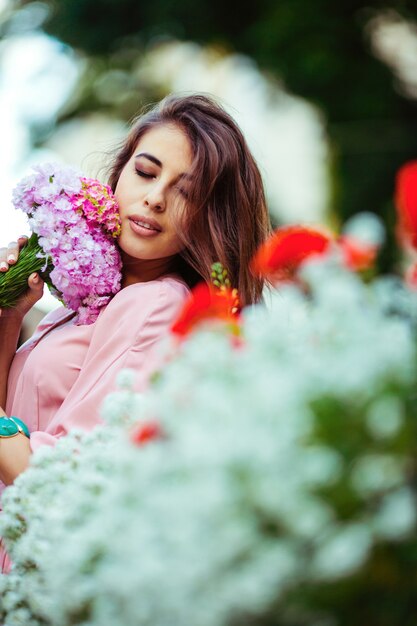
[227,218]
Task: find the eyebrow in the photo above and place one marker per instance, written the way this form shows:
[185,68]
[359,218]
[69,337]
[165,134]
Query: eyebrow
[150,158]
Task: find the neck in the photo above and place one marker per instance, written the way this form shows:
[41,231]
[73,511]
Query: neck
[141,271]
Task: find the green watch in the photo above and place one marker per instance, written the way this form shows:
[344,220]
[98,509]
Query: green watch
[12,426]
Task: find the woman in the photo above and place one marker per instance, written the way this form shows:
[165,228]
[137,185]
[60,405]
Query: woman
[190,194]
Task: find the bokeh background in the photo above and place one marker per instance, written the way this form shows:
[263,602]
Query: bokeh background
[325,91]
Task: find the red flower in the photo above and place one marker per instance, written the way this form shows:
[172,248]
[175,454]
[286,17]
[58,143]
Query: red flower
[411,276]
[145,432]
[357,255]
[406,202]
[282,254]
[206,303]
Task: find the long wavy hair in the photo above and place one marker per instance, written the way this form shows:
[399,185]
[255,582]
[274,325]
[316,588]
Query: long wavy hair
[226,218]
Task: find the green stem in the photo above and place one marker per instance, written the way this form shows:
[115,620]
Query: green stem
[14,282]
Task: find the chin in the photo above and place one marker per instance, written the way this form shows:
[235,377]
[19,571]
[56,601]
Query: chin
[134,248]
[146,250]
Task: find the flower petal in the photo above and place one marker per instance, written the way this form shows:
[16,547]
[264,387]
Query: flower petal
[205,303]
[357,255]
[406,203]
[282,254]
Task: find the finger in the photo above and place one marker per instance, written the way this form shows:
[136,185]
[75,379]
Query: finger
[35,290]
[4,266]
[12,252]
[22,240]
[35,279]
[35,283]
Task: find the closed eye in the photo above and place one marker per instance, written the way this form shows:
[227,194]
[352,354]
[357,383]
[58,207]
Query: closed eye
[183,192]
[143,174]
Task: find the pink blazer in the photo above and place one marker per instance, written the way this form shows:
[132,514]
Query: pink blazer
[60,376]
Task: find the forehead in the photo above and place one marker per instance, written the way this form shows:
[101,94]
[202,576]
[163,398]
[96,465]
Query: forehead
[169,144]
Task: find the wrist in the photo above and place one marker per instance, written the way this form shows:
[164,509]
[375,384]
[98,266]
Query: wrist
[11,318]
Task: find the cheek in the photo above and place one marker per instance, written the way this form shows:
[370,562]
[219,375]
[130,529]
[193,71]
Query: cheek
[118,195]
[174,229]
[123,188]
[178,214]
[176,243]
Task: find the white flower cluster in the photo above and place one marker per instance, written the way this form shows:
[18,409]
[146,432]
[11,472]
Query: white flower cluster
[283,463]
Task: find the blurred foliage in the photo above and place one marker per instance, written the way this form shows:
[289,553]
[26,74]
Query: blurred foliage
[319,49]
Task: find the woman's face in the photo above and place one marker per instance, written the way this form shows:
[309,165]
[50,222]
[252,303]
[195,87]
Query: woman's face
[152,191]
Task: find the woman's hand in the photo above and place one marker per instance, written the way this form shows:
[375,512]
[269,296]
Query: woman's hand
[9,256]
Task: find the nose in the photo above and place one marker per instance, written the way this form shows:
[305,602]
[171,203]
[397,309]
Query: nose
[155,198]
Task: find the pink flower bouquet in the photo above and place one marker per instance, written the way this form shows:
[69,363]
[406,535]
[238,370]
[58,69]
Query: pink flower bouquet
[75,221]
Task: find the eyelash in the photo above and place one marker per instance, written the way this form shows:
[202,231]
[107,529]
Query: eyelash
[145,175]
[183,193]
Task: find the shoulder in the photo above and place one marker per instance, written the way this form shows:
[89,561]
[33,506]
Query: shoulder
[168,288]
[54,317]
[151,304]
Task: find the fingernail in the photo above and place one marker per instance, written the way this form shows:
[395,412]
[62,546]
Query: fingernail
[11,258]
[34,277]
[3,266]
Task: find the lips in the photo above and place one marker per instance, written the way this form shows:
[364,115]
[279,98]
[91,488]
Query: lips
[147,223]
[144,227]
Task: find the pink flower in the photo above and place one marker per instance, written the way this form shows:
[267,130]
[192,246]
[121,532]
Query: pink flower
[77,221]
